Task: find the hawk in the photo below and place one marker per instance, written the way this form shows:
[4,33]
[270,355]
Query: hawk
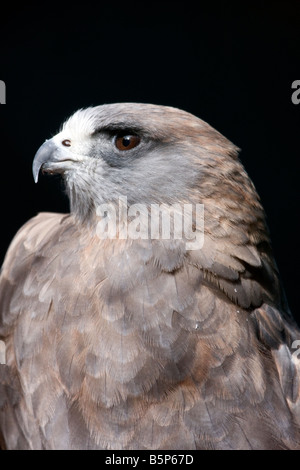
[140,342]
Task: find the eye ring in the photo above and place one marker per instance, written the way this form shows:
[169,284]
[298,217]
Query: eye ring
[127,141]
[66,143]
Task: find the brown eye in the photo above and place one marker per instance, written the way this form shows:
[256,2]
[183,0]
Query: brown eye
[66,143]
[127,142]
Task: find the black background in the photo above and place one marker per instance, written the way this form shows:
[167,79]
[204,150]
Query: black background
[231,64]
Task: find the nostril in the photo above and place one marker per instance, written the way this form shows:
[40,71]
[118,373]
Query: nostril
[66,143]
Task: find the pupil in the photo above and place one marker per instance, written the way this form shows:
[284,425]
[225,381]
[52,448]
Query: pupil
[126,141]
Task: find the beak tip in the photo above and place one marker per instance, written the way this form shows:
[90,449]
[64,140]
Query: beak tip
[35,172]
[43,155]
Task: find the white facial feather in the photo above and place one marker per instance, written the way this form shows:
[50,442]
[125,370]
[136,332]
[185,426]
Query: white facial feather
[77,129]
[81,123]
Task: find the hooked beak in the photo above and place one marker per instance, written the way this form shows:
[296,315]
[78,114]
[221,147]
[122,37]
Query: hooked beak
[50,158]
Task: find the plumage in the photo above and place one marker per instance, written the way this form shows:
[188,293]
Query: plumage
[122,343]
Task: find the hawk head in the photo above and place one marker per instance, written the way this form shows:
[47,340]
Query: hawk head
[147,153]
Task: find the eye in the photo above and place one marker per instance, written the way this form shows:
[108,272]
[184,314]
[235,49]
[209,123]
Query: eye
[127,142]
[66,143]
